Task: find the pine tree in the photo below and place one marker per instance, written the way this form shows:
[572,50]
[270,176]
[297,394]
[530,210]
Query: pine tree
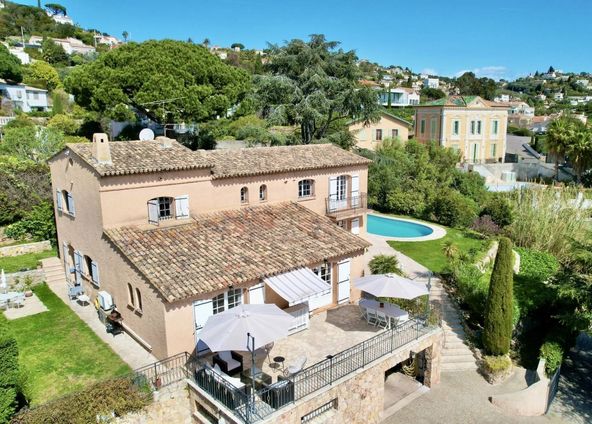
[498,310]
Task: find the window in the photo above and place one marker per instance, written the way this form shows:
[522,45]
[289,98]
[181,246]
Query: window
[263,192]
[455,127]
[378,135]
[92,270]
[493,151]
[478,127]
[341,187]
[394,133]
[164,208]
[494,127]
[472,127]
[433,128]
[138,299]
[324,272]
[305,188]
[422,126]
[244,195]
[65,202]
[228,300]
[130,295]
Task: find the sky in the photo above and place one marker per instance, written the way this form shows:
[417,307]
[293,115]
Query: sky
[495,38]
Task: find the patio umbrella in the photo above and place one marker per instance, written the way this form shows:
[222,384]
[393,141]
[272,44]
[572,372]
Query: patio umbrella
[391,285]
[3,284]
[246,327]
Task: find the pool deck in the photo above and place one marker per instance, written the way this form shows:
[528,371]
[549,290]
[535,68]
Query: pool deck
[437,231]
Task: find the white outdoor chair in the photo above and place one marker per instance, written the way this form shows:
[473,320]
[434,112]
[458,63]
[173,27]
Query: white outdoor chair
[363,312]
[295,367]
[382,320]
[18,300]
[371,317]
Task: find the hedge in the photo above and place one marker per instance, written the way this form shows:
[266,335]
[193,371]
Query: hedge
[552,353]
[118,396]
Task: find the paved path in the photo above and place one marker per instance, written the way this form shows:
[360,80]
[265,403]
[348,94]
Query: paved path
[126,347]
[456,355]
[463,397]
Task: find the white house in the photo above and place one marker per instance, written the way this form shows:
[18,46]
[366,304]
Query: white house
[558,96]
[61,19]
[583,83]
[520,108]
[71,45]
[502,98]
[400,96]
[431,83]
[107,39]
[22,55]
[23,97]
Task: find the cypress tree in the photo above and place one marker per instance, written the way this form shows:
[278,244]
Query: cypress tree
[498,310]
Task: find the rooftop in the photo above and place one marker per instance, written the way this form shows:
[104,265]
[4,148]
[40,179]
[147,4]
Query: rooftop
[270,160]
[138,157]
[463,101]
[216,250]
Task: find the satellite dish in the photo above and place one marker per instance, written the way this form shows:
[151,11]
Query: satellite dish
[146,134]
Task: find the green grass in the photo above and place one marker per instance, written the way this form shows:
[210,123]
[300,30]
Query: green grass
[429,253]
[59,352]
[26,261]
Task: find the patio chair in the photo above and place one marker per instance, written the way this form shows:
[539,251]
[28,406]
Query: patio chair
[279,394]
[363,312]
[295,367]
[75,291]
[229,362]
[371,317]
[268,348]
[18,300]
[382,320]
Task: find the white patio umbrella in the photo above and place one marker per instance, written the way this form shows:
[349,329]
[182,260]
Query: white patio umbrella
[391,285]
[246,327]
[3,284]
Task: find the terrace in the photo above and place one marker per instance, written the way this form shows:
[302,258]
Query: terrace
[337,343]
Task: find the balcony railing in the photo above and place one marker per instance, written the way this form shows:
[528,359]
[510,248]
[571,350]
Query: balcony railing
[336,207]
[251,408]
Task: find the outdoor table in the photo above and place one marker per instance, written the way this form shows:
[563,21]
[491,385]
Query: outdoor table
[279,362]
[391,310]
[83,298]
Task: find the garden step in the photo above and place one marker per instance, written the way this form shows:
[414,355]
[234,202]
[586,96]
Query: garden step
[458,366]
[449,359]
[452,338]
[456,351]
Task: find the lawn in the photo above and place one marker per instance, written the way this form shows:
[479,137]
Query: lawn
[429,253]
[60,353]
[26,261]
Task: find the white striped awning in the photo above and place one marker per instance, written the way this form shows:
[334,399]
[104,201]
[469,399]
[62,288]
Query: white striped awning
[298,286]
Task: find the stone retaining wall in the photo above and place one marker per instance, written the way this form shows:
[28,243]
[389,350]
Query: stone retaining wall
[37,277]
[22,249]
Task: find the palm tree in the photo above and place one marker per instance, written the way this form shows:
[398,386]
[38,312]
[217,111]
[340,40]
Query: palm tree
[385,264]
[125,34]
[579,150]
[450,250]
[559,136]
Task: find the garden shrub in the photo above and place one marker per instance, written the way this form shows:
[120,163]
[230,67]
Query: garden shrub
[497,332]
[38,224]
[471,286]
[415,307]
[119,396]
[12,383]
[552,353]
[385,264]
[537,265]
[485,225]
[453,209]
[496,364]
[536,268]
[499,208]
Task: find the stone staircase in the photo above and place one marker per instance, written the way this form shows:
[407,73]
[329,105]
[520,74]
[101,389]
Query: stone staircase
[456,354]
[54,271]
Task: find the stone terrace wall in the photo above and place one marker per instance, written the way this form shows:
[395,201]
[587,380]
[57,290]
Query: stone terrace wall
[21,249]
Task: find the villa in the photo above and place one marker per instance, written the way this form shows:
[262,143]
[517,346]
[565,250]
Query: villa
[167,237]
[23,97]
[370,136]
[473,126]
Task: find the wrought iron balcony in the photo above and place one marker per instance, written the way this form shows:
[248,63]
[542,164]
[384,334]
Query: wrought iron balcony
[346,207]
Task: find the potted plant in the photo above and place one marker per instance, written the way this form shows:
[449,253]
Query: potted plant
[28,283]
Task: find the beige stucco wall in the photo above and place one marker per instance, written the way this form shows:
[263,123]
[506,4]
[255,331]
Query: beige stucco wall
[439,127]
[365,135]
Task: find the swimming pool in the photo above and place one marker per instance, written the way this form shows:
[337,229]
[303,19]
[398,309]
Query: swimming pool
[392,227]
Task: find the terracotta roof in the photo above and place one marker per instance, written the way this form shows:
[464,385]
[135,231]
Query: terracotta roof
[269,160]
[461,101]
[138,157]
[216,250]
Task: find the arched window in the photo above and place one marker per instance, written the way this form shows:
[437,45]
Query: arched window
[305,188]
[244,195]
[130,295]
[138,300]
[263,192]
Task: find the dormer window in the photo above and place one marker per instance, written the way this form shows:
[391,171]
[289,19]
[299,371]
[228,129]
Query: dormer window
[244,195]
[164,208]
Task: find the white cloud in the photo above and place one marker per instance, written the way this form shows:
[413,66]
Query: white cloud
[494,72]
[429,71]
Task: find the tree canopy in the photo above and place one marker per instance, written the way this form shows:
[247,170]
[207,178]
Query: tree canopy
[56,9]
[313,85]
[167,80]
[42,74]
[10,66]
[469,85]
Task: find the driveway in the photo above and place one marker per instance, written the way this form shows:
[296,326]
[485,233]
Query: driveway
[462,397]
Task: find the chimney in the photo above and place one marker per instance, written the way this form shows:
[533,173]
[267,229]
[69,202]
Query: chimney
[100,148]
[165,142]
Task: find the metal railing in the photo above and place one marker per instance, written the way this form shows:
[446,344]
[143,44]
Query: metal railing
[350,203]
[267,400]
[166,372]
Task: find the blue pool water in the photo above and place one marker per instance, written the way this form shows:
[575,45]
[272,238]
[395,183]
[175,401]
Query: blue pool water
[391,227]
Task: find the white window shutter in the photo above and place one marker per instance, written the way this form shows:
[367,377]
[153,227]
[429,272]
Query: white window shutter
[71,207]
[59,200]
[95,272]
[153,211]
[355,226]
[332,193]
[78,266]
[257,294]
[182,207]
[355,190]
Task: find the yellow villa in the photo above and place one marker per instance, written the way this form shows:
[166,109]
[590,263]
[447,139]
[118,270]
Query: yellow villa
[469,124]
[370,136]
